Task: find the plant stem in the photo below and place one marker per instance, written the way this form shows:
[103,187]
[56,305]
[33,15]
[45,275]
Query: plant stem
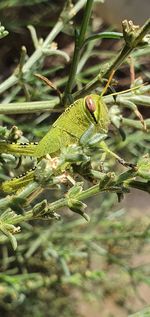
[29,107]
[63,202]
[135,123]
[76,55]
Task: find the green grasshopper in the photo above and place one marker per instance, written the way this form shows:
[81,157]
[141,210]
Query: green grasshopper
[66,130]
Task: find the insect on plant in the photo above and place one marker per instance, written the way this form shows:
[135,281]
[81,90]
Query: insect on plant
[66,130]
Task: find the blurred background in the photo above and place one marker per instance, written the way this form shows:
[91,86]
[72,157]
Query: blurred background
[114,11]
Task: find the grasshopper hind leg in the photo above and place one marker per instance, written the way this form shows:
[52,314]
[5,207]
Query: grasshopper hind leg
[18,149]
[27,149]
[18,183]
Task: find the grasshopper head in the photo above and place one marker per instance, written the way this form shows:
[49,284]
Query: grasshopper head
[97,112]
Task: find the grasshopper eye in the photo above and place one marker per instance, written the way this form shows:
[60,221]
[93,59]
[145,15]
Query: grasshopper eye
[90,105]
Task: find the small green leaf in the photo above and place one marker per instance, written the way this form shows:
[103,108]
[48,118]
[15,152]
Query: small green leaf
[78,207]
[73,153]
[144,167]
[40,208]
[9,231]
[44,171]
[104,35]
[41,211]
[75,190]
[98,137]
[87,135]
[76,157]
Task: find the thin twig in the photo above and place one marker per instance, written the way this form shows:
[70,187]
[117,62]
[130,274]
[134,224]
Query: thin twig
[79,40]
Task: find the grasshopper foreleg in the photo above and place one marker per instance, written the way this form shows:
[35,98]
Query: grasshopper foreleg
[116,156]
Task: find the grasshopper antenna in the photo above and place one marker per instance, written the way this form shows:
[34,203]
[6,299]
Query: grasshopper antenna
[113,92]
[108,83]
[50,84]
[136,111]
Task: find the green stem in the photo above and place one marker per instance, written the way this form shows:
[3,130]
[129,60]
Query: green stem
[63,202]
[29,107]
[29,214]
[103,35]
[135,123]
[144,101]
[78,45]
